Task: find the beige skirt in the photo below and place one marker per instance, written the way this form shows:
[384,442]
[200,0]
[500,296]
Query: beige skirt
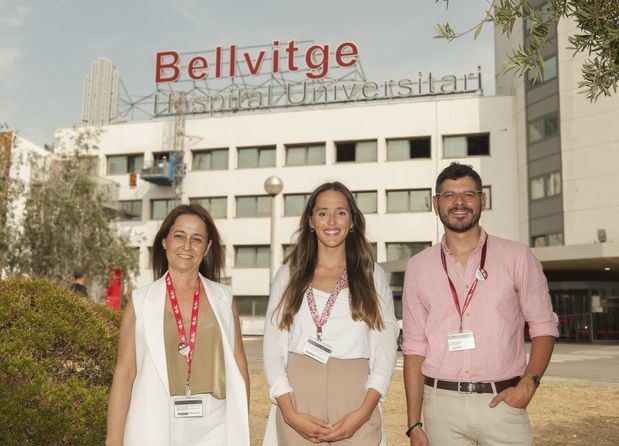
[328,391]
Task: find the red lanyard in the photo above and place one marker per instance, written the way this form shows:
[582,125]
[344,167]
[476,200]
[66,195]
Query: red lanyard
[183,347]
[311,302]
[469,295]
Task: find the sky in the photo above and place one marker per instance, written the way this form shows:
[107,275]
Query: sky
[46,47]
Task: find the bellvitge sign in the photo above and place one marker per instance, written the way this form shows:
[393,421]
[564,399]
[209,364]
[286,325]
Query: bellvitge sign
[311,66]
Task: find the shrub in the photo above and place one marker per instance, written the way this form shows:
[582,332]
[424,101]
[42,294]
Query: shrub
[57,357]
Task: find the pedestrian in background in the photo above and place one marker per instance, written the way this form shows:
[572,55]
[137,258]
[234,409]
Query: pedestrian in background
[465,303]
[79,280]
[181,378]
[330,331]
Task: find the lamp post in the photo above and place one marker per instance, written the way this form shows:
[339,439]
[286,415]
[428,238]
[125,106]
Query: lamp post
[273,186]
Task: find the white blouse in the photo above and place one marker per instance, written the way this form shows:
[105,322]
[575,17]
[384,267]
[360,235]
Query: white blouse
[348,339]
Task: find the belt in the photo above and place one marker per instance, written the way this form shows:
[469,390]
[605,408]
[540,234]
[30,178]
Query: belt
[468,387]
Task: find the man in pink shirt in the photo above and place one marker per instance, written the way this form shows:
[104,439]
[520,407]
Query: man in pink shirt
[466,300]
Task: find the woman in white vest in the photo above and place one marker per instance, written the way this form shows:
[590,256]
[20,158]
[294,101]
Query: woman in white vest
[181,378]
[330,332]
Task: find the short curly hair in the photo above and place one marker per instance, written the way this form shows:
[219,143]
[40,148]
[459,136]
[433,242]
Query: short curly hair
[455,171]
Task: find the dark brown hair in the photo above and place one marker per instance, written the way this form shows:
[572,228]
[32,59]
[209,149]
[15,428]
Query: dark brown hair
[303,258]
[212,264]
[454,172]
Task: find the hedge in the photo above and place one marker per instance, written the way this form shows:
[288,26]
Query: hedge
[57,357]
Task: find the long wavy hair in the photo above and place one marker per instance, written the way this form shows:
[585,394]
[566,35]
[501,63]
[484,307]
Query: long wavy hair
[213,262]
[303,259]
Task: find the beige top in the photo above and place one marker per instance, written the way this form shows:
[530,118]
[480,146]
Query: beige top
[207,367]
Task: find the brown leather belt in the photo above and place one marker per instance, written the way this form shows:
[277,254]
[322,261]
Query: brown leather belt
[468,387]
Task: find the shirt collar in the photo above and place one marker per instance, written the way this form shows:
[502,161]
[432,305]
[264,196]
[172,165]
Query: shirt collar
[483,236]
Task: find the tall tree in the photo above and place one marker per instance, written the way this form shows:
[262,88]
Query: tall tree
[68,219]
[597,36]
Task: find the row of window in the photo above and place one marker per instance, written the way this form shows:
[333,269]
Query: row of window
[259,256]
[398,201]
[545,186]
[315,153]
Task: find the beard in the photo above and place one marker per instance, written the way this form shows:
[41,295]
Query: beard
[461,224]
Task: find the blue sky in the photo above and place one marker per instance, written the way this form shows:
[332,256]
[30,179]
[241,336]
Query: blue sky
[46,47]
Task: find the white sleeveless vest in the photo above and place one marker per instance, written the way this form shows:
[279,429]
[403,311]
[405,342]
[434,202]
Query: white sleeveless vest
[148,419]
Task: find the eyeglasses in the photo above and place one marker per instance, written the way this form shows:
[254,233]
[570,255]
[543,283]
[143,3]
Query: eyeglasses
[467,195]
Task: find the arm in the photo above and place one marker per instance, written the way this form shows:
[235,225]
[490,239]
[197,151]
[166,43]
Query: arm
[537,310]
[414,350]
[275,341]
[413,384]
[124,375]
[521,395]
[239,350]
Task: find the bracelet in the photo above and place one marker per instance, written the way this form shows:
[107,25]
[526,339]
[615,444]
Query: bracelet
[413,426]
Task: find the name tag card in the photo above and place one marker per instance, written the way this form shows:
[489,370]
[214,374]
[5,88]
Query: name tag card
[461,341]
[317,350]
[187,407]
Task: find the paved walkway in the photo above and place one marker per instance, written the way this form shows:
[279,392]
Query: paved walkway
[589,364]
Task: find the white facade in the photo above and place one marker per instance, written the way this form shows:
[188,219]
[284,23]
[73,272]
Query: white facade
[28,163]
[380,122]
[100,93]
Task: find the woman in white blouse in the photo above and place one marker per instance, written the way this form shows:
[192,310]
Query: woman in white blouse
[330,332]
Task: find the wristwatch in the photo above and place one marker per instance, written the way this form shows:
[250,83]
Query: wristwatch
[533,377]
[413,425]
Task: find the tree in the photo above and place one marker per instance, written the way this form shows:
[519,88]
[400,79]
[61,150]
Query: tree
[67,219]
[598,37]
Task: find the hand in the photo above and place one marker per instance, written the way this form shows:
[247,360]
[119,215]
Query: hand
[346,426]
[518,396]
[308,426]
[418,437]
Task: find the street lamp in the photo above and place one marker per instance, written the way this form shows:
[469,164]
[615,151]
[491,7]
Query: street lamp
[273,186]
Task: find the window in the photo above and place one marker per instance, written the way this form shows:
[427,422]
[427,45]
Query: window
[549,72]
[217,206]
[466,145]
[211,159]
[135,253]
[252,256]
[160,208]
[256,157]
[553,184]
[542,128]
[251,305]
[355,151]
[366,201]
[122,164]
[253,206]
[404,250]
[294,204]
[305,154]
[537,188]
[406,149]
[488,191]
[545,186]
[555,239]
[413,200]
[131,210]
[286,250]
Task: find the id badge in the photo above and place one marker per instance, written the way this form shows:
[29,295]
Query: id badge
[317,350]
[187,407]
[461,341]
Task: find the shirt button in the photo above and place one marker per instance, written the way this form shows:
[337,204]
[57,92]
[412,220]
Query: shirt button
[468,314]
[466,286]
[466,371]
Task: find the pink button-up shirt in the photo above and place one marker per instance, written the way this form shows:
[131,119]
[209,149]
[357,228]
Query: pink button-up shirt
[515,291]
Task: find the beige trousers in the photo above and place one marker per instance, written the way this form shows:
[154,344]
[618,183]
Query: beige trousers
[328,391]
[462,419]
